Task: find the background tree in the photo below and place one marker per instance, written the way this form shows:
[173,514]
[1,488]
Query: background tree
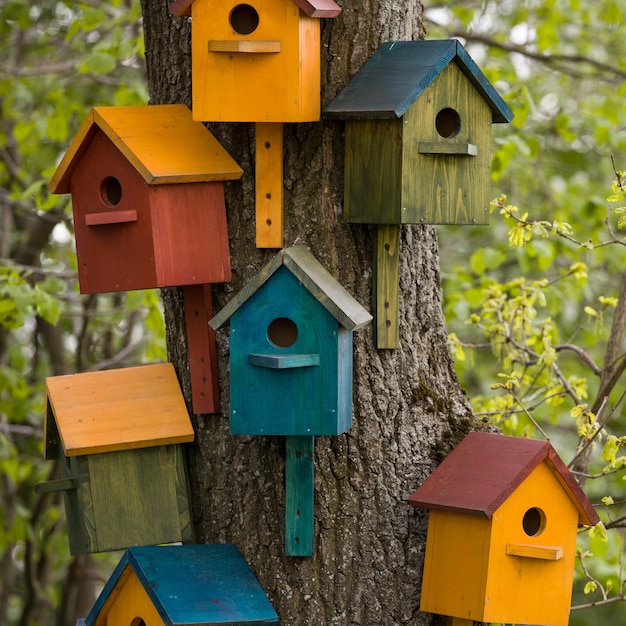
[369,544]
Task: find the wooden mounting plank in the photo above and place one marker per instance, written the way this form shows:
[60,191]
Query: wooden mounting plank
[386,253]
[319,8]
[299,495]
[205,390]
[459,621]
[269,185]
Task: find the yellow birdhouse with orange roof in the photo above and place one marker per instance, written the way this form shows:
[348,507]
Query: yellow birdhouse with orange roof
[504,514]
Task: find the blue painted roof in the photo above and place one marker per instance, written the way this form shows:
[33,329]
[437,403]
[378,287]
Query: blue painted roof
[398,73]
[193,584]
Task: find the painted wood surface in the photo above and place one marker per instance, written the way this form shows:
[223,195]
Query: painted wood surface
[284,361]
[314,277]
[318,405]
[179,236]
[255,87]
[386,259]
[119,409]
[398,73]
[162,142]
[205,391]
[498,464]
[299,495]
[513,564]
[130,497]
[187,585]
[251,47]
[269,185]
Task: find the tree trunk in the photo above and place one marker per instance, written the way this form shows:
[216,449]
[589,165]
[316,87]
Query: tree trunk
[408,408]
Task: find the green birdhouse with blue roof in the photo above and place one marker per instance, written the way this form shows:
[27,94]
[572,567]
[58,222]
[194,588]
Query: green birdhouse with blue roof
[418,117]
[291,370]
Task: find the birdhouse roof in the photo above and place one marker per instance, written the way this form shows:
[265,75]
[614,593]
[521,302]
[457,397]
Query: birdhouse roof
[162,142]
[486,468]
[312,8]
[314,277]
[134,407]
[398,73]
[191,584]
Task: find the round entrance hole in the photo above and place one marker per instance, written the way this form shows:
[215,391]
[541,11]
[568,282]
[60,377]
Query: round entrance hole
[111,191]
[244,19]
[138,621]
[282,332]
[448,122]
[534,521]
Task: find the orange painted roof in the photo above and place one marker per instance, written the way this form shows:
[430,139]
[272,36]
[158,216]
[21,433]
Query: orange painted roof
[312,8]
[128,408]
[162,142]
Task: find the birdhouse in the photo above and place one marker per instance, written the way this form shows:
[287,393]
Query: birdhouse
[418,136]
[291,337]
[148,203]
[191,585]
[115,435]
[504,513]
[418,133]
[258,62]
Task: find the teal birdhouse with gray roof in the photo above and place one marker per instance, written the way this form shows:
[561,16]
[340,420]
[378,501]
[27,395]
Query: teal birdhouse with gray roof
[291,349]
[291,370]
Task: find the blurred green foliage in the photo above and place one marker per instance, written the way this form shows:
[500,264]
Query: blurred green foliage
[535,302]
[57,60]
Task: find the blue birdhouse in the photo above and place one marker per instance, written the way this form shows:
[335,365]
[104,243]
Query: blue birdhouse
[182,585]
[291,370]
[291,337]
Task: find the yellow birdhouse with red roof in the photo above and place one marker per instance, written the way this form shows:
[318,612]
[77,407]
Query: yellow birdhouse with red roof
[504,514]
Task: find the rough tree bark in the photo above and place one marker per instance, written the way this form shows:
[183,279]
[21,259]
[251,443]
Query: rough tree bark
[408,407]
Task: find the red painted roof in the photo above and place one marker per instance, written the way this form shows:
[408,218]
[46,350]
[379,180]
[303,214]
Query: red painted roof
[312,8]
[486,468]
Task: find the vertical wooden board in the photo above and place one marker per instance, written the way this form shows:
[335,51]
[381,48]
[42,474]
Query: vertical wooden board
[183,495]
[373,172]
[190,234]
[79,508]
[386,253]
[134,497]
[205,389]
[447,188]
[269,185]
[299,495]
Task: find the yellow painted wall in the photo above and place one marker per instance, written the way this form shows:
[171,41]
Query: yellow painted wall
[256,86]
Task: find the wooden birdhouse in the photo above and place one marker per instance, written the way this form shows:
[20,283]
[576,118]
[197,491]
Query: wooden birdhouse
[291,337]
[148,202]
[504,513]
[115,435]
[258,62]
[418,137]
[192,585]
